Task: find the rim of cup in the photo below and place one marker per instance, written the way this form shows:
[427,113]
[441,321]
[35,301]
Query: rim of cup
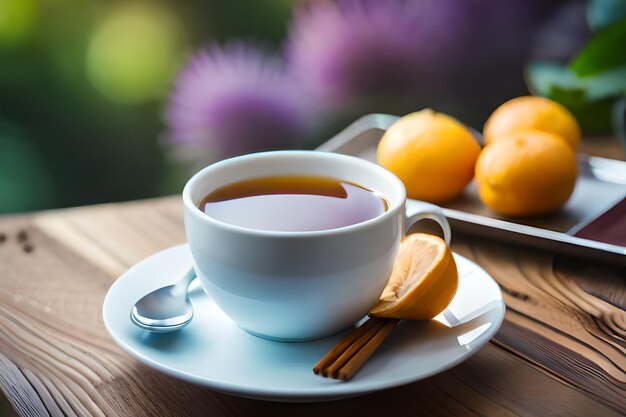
[394,206]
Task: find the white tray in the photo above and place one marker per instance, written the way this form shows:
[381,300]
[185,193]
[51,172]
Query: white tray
[601,184]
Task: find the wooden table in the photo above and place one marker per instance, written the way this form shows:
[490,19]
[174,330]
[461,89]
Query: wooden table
[561,350]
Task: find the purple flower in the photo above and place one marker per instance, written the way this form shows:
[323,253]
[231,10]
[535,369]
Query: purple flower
[359,48]
[563,34]
[236,99]
[351,51]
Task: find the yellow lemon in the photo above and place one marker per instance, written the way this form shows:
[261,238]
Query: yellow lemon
[526,173]
[532,113]
[423,281]
[432,153]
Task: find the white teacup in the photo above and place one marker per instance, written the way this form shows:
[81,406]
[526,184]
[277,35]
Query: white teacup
[296,286]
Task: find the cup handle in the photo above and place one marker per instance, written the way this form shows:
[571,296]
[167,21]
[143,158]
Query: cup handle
[419,210]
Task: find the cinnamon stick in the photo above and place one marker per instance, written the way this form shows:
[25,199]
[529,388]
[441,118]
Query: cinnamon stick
[352,349]
[343,344]
[349,355]
[355,363]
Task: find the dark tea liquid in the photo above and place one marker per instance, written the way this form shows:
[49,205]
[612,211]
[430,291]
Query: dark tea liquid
[293,203]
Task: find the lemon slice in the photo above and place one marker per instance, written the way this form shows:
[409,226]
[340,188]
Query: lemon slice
[423,281]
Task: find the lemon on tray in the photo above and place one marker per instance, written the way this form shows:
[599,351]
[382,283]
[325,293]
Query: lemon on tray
[526,173]
[423,281]
[532,113]
[432,153]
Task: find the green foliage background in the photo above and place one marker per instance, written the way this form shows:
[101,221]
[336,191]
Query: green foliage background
[62,142]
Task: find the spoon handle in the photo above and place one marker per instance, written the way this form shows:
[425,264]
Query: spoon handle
[181,286]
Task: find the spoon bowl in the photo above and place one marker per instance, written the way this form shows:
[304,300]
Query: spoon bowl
[166,309]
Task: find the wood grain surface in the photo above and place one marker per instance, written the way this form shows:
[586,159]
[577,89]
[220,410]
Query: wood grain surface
[561,350]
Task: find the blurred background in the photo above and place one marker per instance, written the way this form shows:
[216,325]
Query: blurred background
[123,99]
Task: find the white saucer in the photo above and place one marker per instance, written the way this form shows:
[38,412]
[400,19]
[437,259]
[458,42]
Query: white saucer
[213,352]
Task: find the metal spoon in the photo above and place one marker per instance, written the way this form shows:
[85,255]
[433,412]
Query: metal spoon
[166,309]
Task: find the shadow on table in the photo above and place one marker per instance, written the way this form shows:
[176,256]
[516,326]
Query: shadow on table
[6,409]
